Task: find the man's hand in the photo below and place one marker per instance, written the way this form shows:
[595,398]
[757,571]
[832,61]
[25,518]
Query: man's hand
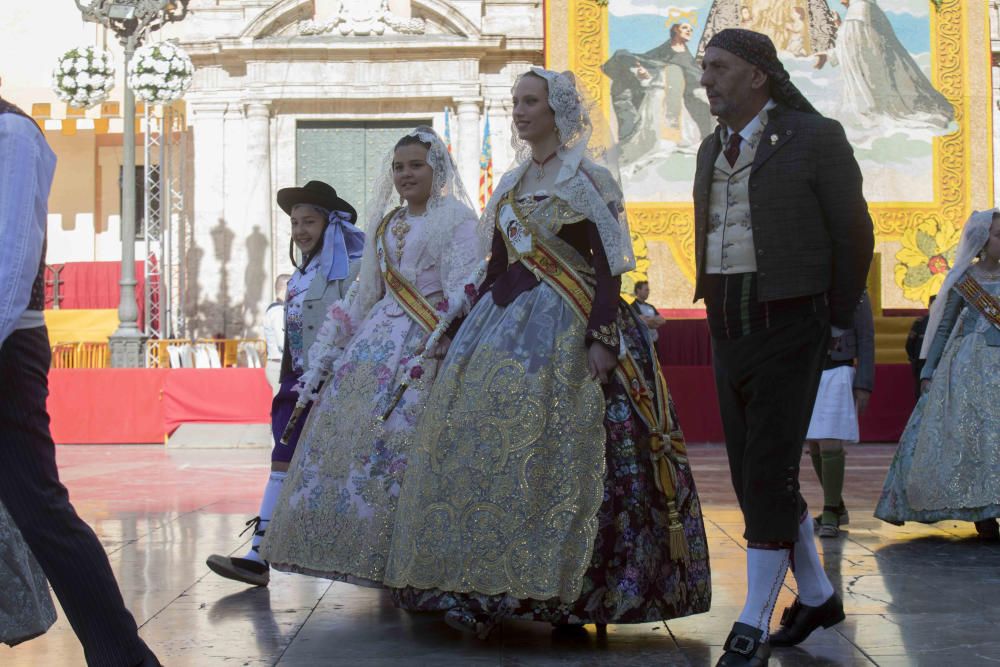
[601,361]
[861,398]
[925,386]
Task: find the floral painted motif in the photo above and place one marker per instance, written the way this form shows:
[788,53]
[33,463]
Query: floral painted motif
[925,258]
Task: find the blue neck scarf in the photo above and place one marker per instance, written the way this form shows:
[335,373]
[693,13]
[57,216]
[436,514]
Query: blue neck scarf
[342,242]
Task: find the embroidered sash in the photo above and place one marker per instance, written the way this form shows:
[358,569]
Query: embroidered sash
[977,297]
[652,406]
[405,293]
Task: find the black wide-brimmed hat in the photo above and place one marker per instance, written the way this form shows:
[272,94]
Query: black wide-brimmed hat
[316,193]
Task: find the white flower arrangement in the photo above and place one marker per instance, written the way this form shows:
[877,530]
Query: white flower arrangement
[160,73]
[84,77]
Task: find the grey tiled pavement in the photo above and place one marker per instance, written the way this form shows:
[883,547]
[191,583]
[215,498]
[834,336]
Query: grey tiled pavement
[916,595]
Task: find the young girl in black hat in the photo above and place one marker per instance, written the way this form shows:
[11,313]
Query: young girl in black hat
[330,247]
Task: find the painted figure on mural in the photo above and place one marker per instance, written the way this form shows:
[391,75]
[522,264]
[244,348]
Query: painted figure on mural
[800,27]
[644,94]
[881,78]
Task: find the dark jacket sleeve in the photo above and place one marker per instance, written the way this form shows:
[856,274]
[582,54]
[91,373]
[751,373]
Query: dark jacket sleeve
[915,339]
[838,189]
[494,268]
[864,328]
[497,264]
[602,326]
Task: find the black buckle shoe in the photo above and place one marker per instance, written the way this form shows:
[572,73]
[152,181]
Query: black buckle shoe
[744,647]
[799,620]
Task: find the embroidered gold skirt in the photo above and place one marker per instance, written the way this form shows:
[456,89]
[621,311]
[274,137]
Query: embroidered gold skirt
[506,476]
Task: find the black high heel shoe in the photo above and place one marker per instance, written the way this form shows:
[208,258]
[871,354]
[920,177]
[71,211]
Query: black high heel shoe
[988,530]
[463,620]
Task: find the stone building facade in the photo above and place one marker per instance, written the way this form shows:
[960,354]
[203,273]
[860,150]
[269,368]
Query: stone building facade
[293,90]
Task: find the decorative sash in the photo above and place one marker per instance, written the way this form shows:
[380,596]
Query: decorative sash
[652,406]
[984,302]
[405,293]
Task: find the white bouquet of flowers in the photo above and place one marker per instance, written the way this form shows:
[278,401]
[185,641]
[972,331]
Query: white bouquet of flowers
[84,77]
[160,73]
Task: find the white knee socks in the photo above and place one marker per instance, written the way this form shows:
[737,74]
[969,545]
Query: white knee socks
[271,493]
[813,584]
[765,574]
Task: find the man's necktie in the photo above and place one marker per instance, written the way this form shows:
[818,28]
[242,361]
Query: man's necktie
[732,152]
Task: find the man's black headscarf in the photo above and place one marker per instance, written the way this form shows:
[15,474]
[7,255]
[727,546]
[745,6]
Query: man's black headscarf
[758,50]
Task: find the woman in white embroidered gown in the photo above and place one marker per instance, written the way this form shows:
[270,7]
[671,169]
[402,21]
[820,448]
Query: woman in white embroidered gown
[947,465]
[336,512]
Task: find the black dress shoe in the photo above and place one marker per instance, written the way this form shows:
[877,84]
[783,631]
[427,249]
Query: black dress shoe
[149,660]
[745,648]
[240,569]
[799,620]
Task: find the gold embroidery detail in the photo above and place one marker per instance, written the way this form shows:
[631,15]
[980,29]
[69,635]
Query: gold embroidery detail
[506,478]
[607,334]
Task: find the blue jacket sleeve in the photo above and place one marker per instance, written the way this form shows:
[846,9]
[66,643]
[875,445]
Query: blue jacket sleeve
[26,168]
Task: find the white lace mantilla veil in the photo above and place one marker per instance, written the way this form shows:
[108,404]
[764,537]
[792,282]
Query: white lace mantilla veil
[586,180]
[448,207]
[975,234]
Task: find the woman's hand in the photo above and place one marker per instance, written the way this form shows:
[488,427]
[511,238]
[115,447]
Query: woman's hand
[440,350]
[601,361]
[925,386]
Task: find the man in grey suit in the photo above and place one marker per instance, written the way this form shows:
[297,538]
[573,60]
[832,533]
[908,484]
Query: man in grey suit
[783,240]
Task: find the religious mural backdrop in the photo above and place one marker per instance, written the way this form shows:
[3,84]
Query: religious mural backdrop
[898,74]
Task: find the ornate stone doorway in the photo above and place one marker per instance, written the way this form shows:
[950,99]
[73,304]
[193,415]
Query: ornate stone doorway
[347,155]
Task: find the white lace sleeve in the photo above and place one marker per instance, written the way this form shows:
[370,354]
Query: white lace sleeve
[461,259]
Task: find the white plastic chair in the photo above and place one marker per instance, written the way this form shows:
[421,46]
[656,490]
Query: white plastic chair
[186,353]
[175,356]
[252,357]
[213,356]
[201,359]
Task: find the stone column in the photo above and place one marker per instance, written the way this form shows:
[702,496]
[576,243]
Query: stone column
[260,243]
[230,238]
[469,145]
[201,303]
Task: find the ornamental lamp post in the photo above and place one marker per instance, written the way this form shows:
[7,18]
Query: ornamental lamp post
[131,21]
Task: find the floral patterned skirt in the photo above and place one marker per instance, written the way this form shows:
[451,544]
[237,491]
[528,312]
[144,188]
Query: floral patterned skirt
[26,609]
[335,515]
[631,577]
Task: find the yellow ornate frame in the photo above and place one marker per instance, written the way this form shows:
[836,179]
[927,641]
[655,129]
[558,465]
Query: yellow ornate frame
[577,39]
